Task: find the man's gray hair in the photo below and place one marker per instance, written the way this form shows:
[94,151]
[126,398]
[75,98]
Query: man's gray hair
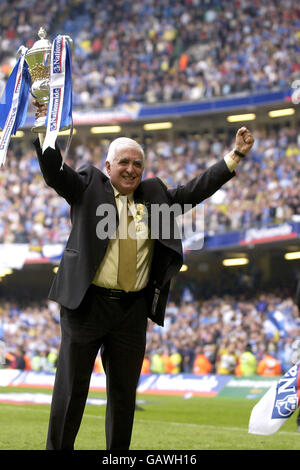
[123,142]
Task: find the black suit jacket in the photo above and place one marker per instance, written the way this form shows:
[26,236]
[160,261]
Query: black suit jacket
[89,187]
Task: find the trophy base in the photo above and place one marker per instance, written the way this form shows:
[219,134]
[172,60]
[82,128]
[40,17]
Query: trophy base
[41,128]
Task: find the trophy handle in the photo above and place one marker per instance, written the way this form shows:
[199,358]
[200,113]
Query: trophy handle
[21,51]
[70,41]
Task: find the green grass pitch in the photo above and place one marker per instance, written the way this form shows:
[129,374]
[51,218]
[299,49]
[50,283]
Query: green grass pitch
[163,423]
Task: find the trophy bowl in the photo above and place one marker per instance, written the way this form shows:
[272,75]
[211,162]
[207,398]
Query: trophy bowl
[38,59]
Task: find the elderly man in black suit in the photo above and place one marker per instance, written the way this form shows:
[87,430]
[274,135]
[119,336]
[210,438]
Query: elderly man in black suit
[108,286]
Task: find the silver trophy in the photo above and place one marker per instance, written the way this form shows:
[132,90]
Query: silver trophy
[38,59]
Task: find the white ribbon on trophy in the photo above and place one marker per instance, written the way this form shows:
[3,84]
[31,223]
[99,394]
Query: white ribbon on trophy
[57,89]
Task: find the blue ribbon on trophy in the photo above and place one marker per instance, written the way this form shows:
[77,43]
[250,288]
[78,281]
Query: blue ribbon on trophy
[45,71]
[14,103]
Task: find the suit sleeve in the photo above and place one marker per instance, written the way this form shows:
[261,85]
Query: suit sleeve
[67,182]
[203,186]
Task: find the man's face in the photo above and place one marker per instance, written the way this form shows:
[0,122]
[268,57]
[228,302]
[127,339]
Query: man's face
[126,169]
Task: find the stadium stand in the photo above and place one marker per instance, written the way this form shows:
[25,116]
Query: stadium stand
[159,50]
[266,191]
[155,52]
[268,323]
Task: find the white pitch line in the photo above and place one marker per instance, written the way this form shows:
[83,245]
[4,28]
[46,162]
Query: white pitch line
[206,426]
[164,423]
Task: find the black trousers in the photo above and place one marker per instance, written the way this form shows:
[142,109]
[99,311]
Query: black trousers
[118,328]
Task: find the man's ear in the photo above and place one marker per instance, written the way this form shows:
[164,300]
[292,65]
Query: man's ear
[107,166]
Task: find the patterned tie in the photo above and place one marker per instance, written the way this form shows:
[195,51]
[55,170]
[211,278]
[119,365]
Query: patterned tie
[127,252]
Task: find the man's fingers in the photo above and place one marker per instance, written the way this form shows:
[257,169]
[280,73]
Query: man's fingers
[246,134]
[242,130]
[248,138]
[38,105]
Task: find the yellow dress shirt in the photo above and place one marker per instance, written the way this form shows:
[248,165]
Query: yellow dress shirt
[107,273]
[231,164]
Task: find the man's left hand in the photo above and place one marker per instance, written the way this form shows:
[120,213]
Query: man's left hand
[244,140]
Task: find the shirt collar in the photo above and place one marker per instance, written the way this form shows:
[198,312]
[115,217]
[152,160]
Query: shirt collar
[117,193]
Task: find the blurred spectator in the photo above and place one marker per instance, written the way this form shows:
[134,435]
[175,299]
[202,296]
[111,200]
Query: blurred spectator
[22,362]
[269,366]
[201,365]
[228,359]
[156,363]
[176,361]
[146,366]
[98,367]
[41,361]
[10,360]
[247,364]
[167,362]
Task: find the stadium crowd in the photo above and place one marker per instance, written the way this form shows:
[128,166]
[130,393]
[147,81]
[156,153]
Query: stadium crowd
[156,51]
[228,335]
[264,192]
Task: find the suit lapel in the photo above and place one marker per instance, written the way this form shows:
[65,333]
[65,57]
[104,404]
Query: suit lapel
[148,196]
[109,191]
[110,197]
